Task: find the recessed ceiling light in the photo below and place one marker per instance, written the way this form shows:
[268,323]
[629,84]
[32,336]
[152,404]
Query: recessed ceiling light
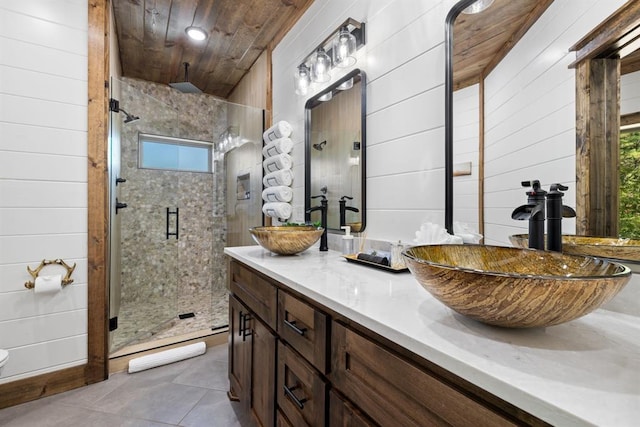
[196,33]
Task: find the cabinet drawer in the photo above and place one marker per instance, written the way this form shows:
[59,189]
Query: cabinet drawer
[301,393]
[393,391]
[304,328]
[257,293]
[344,414]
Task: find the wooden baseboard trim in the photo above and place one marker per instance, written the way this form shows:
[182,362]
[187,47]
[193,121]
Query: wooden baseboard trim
[39,386]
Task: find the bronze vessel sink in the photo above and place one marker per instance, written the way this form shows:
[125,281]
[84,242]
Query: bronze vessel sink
[514,287]
[288,239]
[605,247]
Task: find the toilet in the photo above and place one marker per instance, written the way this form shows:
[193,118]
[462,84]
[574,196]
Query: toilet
[4,356]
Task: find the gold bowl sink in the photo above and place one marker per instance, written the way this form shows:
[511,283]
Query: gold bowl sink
[513,287]
[288,239]
[604,247]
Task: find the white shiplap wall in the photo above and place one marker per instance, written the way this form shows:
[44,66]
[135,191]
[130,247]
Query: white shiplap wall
[630,93]
[530,114]
[43,181]
[530,110]
[466,113]
[404,62]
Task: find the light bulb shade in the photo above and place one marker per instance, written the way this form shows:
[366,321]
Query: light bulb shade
[302,80]
[347,84]
[196,33]
[477,7]
[344,49]
[326,97]
[321,67]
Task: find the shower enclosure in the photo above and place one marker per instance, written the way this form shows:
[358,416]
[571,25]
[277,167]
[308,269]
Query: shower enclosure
[168,224]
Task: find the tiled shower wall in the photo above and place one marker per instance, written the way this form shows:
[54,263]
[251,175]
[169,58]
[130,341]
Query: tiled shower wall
[163,277]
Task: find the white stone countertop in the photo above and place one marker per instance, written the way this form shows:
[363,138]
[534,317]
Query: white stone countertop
[584,372]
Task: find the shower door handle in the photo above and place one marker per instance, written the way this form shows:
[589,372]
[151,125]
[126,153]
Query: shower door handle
[119,205]
[177,214]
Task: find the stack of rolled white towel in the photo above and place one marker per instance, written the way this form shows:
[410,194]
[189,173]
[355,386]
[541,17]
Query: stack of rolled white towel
[278,175]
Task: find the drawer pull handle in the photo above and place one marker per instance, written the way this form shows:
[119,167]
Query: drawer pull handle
[292,325]
[289,392]
[242,330]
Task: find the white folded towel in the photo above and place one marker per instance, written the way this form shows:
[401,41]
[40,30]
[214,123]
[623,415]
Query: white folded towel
[279,146]
[279,193]
[281,129]
[278,162]
[283,177]
[279,210]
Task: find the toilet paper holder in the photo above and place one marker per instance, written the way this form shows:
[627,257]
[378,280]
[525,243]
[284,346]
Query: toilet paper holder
[67,280]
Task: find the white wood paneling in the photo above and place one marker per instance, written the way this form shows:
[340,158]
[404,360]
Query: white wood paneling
[35,84]
[34,330]
[45,357]
[630,93]
[43,181]
[42,194]
[35,139]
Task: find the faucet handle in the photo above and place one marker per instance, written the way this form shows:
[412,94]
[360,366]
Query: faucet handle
[558,187]
[535,184]
[319,195]
[346,198]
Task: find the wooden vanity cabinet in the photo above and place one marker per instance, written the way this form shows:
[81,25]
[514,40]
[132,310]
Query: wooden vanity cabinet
[293,364]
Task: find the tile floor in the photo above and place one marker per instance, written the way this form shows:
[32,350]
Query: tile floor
[189,393]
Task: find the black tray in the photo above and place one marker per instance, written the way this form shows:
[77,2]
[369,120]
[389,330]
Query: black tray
[354,258]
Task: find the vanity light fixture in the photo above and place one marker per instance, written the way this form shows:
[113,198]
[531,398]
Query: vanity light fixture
[344,49]
[326,97]
[477,7]
[347,84]
[340,46]
[196,33]
[302,79]
[321,66]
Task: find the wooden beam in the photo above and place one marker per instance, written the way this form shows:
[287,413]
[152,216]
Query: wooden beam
[630,119]
[97,182]
[597,146]
[610,35]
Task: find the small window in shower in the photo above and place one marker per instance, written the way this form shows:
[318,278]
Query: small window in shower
[177,154]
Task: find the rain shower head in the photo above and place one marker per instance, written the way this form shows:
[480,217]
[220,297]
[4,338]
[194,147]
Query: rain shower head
[185,86]
[114,105]
[320,146]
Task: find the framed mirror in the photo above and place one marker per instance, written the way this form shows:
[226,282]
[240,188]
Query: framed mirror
[335,147]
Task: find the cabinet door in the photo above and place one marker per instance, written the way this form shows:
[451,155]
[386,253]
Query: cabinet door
[263,368]
[301,392]
[239,353]
[344,414]
[393,391]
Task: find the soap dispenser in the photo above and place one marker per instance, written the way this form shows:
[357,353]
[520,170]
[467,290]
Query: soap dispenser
[347,241]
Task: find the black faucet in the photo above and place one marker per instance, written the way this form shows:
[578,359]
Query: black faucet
[534,211]
[555,212]
[344,208]
[323,219]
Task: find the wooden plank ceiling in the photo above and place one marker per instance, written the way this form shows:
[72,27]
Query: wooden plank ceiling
[482,40]
[153,44]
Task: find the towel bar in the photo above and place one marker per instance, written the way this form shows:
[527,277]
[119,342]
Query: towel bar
[67,280]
